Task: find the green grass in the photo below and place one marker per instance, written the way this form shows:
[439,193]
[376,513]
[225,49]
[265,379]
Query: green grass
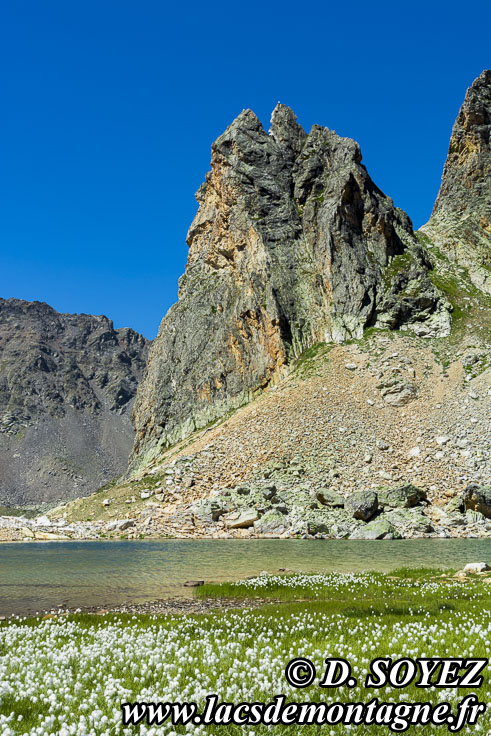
[400,588]
[305,365]
[470,306]
[59,670]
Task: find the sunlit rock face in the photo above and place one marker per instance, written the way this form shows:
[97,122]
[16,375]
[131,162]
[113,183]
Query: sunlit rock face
[461,220]
[293,244]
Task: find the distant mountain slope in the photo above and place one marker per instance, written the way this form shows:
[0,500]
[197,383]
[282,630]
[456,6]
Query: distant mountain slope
[67,385]
[461,220]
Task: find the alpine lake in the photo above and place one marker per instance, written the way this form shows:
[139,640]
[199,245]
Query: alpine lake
[39,576]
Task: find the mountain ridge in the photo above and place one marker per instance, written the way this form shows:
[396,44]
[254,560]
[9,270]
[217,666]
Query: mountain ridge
[67,386]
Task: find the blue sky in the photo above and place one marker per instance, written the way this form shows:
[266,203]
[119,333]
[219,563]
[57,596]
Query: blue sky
[109,110]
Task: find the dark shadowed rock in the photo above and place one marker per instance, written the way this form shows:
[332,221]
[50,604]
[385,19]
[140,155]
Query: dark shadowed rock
[478,498]
[362,504]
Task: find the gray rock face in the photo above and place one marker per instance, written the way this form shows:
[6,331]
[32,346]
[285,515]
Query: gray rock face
[402,497]
[362,504]
[241,519]
[292,245]
[409,522]
[376,529]
[67,388]
[461,220]
[329,498]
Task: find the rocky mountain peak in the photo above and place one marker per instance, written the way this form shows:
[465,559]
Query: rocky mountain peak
[461,220]
[466,175]
[285,129]
[293,244]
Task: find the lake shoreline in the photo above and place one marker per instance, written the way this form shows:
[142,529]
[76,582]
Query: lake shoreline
[13,535]
[110,574]
[224,601]
[160,607]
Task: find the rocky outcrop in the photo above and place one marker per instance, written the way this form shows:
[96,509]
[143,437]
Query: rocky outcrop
[293,245]
[478,498]
[67,388]
[461,220]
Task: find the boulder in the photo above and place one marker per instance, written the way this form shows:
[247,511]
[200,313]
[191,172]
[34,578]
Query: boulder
[272,522]
[318,526]
[405,496]
[43,521]
[48,536]
[409,522]
[457,503]
[474,517]
[269,492]
[241,519]
[329,498]
[242,490]
[376,529]
[280,507]
[442,519]
[335,522]
[362,504]
[478,498]
[398,393]
[208,511]
[120,525]
[475,567]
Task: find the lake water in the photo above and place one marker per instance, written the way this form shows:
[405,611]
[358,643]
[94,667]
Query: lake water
[40,576]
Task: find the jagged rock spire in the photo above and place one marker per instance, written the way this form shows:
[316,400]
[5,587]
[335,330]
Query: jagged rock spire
[467,171]
[461,220]
[290,246]
[285,129]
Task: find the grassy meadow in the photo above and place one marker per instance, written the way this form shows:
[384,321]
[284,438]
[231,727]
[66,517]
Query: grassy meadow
[68,675]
